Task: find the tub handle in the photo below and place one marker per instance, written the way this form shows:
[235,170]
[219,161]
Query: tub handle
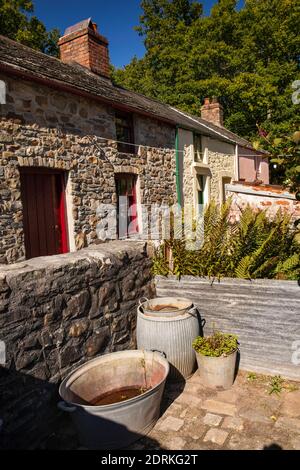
[143,300]
[63,406]
[193,311]
[159,352]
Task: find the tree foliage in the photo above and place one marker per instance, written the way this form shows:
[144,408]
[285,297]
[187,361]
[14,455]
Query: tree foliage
[249,58]
[17,22]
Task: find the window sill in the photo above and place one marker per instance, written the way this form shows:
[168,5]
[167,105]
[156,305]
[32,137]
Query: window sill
[131,154]
[200,165]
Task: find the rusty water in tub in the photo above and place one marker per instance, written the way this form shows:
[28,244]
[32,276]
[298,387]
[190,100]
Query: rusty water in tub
[163,308]
[117,396]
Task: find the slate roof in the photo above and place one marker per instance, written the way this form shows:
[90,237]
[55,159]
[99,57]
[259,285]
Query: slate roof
[31,64]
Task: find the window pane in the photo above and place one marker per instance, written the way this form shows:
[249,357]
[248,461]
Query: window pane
[200,189]
[198,148]
[124,133]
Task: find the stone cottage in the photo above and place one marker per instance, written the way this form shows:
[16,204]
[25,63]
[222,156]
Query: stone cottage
[70,141]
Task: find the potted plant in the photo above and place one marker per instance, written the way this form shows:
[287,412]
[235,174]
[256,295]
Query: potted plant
[216,357]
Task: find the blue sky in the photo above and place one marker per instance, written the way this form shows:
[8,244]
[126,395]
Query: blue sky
[115,19]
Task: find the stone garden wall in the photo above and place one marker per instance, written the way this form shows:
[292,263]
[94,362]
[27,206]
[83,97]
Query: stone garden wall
[264,197]
[41,127]
[56,313]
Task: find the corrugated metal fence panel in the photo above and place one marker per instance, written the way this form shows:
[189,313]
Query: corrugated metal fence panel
[265,314]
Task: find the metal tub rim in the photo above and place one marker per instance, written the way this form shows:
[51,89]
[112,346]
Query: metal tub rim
[184,303]
[89,365]
[158,318]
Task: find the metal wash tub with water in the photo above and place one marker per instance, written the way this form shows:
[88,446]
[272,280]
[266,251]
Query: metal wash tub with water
[115,425]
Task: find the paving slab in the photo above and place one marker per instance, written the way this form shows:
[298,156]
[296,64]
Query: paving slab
[229,396]
[231,422]
[295,442]
[212,420]
[292,424]
[170,424]
[291,404]
[215,406]
[187,398]
[216,436]
[176,443]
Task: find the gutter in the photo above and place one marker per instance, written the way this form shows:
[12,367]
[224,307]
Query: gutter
[237,163]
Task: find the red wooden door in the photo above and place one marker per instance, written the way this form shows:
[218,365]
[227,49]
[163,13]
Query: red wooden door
[127,210]
[44,215]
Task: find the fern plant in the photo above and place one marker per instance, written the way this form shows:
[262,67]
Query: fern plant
[253,247]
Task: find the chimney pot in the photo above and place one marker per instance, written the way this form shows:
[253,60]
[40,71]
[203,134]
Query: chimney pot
[206,101]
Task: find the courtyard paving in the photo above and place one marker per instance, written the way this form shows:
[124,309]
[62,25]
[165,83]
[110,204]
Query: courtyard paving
[245,417]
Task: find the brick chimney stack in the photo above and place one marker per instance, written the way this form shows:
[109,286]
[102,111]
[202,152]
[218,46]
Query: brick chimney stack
[212,111]
[83,44]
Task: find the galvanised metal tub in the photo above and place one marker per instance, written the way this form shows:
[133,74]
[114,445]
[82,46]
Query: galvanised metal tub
[161,327]
[115,425]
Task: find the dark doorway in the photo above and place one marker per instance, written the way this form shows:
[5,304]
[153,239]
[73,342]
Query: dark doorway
[127,210]
[44,212]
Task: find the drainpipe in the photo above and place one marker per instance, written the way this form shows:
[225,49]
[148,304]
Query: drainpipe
[237,164]
[177,166]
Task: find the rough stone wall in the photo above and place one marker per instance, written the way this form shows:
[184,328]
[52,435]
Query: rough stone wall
[56,314]
[45,128]
[219,164]
[271,200]
[218,161]
[153,133]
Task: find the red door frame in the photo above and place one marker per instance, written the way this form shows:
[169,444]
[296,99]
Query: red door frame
[132,219]
[62,214]
[59,207]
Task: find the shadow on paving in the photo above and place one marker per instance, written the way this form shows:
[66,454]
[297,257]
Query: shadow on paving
[30,419]
[273,447]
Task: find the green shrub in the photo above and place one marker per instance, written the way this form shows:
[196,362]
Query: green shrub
[253,247]
[219,344]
